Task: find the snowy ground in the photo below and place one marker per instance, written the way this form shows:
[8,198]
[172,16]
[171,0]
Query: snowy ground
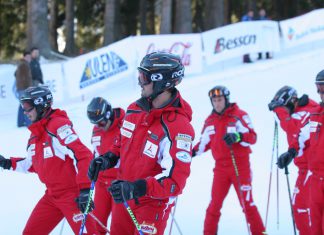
[251,85]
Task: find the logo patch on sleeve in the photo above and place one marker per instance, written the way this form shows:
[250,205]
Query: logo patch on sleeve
[184,142]
[150,149]
[70,139]
[183,157]
[64,131]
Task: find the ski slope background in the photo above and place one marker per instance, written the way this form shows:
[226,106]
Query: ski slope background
[251,85]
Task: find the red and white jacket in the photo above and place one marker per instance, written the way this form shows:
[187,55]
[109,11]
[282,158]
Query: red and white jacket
[103,140]
[292,123]
[233,120]
[156,145]
[56,154]
[313,134]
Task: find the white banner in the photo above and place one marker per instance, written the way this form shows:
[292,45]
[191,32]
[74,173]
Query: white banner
[8,101]
[187,46]
[97,69]
[53,78]
[302,29]
[241,38]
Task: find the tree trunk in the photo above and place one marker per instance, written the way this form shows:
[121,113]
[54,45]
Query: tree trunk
[214,14]
[166,18]
[37,26]
[53,24]
[110,22]
[183,16]
[142,16]
[69,27]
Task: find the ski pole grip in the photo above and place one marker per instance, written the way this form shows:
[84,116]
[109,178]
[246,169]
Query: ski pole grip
[286,170]
[95,177]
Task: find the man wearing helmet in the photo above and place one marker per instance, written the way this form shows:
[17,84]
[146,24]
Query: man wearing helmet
[106,132]
[155,151]
[311,137]
[228,132]
[293,113]
[52,148]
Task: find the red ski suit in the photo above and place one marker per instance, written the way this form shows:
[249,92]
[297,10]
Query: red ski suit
[52,148]
[102,141]
[216,126]
[156,145]
[313,135]
[291,124]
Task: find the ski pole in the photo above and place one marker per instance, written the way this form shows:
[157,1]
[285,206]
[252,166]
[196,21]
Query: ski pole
[277,153]
[172,215]
[177,225]
[291,206]
[275,138]
[89,198]
[239,187]
[80,216]
[131,214]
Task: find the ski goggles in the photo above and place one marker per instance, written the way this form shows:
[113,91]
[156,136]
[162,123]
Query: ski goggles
[217,92]
[320,88]
[27,106]
[143,79]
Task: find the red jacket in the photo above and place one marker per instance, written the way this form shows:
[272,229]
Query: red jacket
[156,145]
[313,132]
[217,125]
[292,124]
[103,140]
[53,150]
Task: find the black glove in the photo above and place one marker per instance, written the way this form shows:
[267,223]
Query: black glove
[5,163]
[104,162]
[82,200]
[274,104]
[194,153]
[286,158]
[231,138]
[123,191]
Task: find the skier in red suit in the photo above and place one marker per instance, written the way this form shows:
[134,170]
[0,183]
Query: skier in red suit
[106,132]
[155,149]
[52,149]
[311,136]
[293,113]
[228,132]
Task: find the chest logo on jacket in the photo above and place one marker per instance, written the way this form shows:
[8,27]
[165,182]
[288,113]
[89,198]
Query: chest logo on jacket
[48,152]
[150,149]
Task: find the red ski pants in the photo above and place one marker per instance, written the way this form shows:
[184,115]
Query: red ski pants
[151,214]
[103,205]
[317,204]
[300,202]
[224,177]
[50,210]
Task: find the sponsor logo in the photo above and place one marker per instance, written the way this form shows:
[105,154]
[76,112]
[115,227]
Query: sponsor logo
[223,44]
[150,149]
[148,228]
[291,33]
[178,48]
[178,73]
[102,67]
[38,101]
[184,137]
[183,156]
[156,77]
[65,133]
[47,151]
[70,139]
[184,145]
[125,133]
[128,125]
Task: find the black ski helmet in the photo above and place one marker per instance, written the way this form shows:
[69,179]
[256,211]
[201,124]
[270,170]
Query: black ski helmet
[286,95]
[39,97]
[217,91]
[164,69]
[99,110]
[320,78]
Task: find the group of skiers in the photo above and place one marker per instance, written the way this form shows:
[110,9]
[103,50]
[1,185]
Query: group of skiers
[141,158]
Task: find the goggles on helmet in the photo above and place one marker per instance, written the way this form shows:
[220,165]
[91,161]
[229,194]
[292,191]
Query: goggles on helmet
[217,92]
[143,79]
[27,106]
